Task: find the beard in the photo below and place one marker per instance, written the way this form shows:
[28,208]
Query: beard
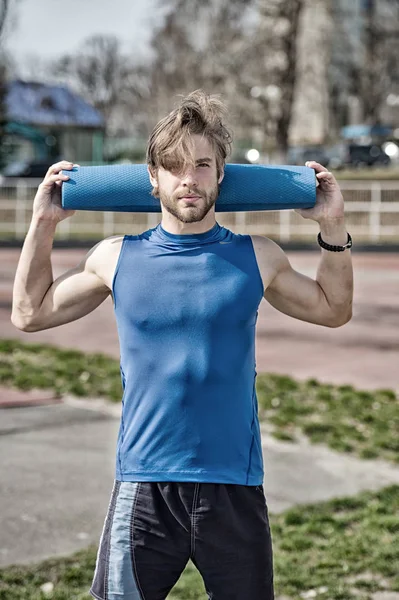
[189,213]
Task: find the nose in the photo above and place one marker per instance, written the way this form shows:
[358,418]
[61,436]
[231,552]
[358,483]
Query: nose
[189,178]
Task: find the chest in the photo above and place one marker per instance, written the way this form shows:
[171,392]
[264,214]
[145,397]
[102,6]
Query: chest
[186,288]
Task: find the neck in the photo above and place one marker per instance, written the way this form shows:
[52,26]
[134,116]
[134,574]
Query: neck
[173,225]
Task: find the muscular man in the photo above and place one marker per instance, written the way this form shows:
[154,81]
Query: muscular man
[186,295]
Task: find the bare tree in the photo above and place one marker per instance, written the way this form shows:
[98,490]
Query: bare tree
[4,66]
[4,147]
[4,5]
[101,74]
[381,48]
[277,36]
[201,44]
[8,17]
[365,60]
[234,47]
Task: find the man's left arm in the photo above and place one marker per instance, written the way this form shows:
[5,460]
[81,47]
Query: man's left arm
[327,299]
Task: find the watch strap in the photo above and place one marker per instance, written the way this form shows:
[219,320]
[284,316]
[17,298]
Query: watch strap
[332,248]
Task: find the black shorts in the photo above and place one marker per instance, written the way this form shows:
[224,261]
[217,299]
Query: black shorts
[153,529]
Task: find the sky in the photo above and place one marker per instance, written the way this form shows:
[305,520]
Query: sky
[49,28]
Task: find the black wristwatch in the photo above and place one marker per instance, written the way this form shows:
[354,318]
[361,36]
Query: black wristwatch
[331,248]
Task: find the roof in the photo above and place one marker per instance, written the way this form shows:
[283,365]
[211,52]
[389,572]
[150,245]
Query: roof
[40,104]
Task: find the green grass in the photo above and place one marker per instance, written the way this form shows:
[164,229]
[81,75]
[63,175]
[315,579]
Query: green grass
[341,544]
[72,577]
[30,366]
[343,549]
[347,420]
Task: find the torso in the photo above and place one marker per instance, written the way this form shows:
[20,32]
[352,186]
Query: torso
[187,355]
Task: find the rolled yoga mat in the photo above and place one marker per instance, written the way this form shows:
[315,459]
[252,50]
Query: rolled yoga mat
[127,188]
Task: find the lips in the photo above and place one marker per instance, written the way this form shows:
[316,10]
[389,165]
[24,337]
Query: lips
[190,198]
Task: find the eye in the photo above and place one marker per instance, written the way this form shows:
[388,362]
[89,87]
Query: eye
[204,164]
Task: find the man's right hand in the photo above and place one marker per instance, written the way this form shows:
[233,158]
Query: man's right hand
[47,202]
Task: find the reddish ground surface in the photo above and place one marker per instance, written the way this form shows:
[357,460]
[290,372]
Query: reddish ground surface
[364,353]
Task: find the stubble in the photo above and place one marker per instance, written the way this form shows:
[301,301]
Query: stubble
[187,213]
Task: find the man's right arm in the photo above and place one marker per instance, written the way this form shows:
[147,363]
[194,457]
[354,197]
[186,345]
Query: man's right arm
[39,302]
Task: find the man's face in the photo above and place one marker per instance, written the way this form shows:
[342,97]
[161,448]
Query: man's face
[191,194]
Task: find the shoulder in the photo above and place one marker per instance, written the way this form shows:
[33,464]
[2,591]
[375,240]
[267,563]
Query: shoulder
[267,250]
[110,244]
[103,253]
[271,259]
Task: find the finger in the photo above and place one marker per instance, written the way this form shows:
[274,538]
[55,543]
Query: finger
[316,166]
[56,178]
[60,166]
[326,177]
[61,178]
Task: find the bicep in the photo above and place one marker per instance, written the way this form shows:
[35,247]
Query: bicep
[287,290]
[297,295]
[73,295]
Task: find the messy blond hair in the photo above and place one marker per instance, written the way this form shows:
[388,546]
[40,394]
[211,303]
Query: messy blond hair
[170,145]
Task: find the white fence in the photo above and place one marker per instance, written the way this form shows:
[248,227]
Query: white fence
[372,214]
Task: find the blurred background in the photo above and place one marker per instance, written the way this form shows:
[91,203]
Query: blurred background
[303,79]
[87,81]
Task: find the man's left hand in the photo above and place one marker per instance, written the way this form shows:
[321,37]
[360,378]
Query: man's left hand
[329,200]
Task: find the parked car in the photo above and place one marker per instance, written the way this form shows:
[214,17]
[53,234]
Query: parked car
[332,157]
[367,155]
[27,169]
[298,155]
[340,155]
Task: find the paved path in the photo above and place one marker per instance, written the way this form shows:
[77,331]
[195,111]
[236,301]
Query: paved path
[363,353]
[57,469]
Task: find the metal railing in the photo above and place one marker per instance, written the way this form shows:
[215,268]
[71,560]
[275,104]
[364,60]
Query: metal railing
[372,214]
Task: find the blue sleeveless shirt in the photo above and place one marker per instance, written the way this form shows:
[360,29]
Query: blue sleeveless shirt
[186,308]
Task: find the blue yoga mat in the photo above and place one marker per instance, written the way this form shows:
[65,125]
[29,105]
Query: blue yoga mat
[126,188]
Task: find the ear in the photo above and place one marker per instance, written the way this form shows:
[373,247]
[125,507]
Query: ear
[153,178]
[221,176]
